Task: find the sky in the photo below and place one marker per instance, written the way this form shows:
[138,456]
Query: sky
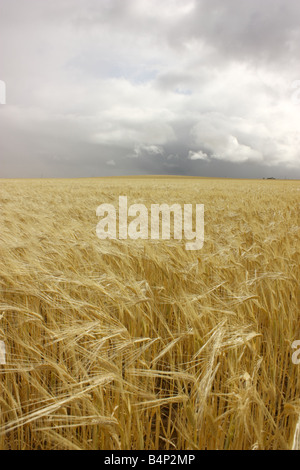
[128,87]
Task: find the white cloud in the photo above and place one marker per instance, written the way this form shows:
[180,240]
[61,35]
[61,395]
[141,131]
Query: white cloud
[197,155]
[233,151]
[140,149]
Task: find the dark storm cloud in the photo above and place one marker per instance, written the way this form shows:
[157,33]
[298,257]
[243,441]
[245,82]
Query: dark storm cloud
[243,30]
[144,86]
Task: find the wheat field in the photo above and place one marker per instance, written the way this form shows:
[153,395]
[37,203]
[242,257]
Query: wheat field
[141,344]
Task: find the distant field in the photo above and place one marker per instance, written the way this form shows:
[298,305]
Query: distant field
[142,344]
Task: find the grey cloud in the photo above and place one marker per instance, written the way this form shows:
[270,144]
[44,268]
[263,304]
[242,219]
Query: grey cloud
[90,83]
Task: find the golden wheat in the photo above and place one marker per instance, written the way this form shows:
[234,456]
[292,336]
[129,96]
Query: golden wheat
[142,344]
